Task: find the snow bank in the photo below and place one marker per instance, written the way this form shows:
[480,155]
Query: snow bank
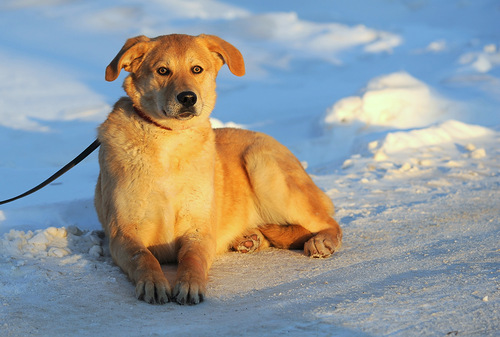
[320,38]
[396,100]
[293,37]
[40,91]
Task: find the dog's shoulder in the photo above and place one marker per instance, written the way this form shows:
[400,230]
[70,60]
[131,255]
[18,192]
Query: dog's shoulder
[243,138]
[122,109]
[231,135]
[121,122]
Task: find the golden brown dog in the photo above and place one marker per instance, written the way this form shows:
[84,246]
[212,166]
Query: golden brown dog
[172,189]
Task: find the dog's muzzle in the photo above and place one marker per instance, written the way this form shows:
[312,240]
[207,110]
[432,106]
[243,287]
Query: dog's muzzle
[187,99]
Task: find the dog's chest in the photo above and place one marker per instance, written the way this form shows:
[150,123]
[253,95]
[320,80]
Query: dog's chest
[185,158]
[178,169]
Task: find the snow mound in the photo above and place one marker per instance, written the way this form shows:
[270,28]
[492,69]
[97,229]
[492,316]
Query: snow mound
[447,136]
[51,242]
[396,100]
[217,123]
[447,132]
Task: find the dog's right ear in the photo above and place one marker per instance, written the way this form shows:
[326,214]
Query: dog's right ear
[133,50]
[227,52]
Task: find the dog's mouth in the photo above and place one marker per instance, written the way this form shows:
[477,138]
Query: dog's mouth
[185,115]
[182,115]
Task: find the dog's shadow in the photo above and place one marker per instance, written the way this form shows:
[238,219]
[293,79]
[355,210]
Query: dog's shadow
[170,271]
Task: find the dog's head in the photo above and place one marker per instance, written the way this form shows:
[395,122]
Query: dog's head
[172,77]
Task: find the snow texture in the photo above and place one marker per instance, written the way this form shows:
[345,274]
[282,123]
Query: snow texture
[393,107]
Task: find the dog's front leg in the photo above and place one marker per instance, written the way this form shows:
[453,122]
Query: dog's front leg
[142,268]
[195,258]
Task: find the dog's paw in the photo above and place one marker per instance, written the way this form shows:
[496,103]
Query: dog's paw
[248,244]
[153,289]
[189,292]
[322,245]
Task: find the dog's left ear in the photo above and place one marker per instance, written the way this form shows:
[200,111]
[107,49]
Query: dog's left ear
[133,49]
[227,52]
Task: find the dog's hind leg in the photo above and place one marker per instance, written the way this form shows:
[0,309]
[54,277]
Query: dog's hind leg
[251,241]
[318,245]
[287,196]
[286,236]
[325,242]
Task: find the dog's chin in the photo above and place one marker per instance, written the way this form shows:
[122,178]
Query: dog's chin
[184,116]
[181,115]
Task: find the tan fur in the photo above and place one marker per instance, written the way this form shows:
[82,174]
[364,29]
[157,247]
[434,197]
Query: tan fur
[173,189]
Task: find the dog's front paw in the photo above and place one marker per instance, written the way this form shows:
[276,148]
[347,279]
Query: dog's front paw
[189,291]
[322,245]
[153,289]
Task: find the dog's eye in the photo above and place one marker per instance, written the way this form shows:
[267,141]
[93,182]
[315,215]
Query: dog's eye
[163,71]
[197,69]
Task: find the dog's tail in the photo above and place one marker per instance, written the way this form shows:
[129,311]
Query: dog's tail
[59,173]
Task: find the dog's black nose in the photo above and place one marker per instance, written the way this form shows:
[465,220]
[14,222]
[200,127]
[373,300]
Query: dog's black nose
[187,98]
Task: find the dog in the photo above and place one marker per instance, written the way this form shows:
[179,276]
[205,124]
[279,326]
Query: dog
[173,189]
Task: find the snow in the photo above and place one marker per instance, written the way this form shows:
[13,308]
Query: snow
[397,100]
[48,99]
[391,105]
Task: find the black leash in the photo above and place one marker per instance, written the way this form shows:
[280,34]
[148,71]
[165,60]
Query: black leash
[59,173]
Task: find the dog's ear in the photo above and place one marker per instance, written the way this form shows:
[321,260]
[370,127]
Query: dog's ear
[227,52]
[133,49]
